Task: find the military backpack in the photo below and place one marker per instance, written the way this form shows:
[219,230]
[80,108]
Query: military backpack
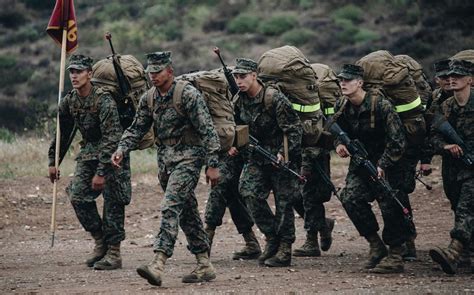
[329,90]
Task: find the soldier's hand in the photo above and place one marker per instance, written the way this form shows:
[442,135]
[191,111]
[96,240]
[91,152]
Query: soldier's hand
[425,169]
[212,176]
[380,173]
[280,158]
[98,183]
[53,174]
[454,149]
[342,151]
[233,151]
[117,158]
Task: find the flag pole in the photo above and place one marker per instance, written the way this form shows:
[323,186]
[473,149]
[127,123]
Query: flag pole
[62,71]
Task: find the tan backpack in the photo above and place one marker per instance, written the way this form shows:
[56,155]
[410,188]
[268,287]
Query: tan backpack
[465,55]
[383,71]
[416,72]
[213,86]
[103,75]
[290,71]
[328,87]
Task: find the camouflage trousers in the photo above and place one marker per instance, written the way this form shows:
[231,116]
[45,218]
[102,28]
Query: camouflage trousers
[179,206]
[255,185]
[356,198]
[226,195]
[460,194]
[117,193]
[315,192]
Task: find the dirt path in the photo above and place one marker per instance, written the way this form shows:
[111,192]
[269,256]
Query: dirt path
[29,265]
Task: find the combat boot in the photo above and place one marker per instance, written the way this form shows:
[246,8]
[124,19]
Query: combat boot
[310,247]
[393,263]
[204,271]
[211,231]
[409,254]
[282,257]
[326,234]
[448,258]
[271,248]
[251,250]
[111,260]
[100,248]
[153,271]
[377,251]
[465,258]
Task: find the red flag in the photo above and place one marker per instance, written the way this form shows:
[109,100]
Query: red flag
[63,16]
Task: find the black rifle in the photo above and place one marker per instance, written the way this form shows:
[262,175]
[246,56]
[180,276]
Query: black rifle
[254,143]
[360,156]
[327,180]
[123,83]
[443,126]
[234,89]
[418,176]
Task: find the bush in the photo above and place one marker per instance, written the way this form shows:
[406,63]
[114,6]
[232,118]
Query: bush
[6,135]
[39,5]
[365,35]
[297,37]
[277,25]
[349,12]
[196,16]
[12,19]
[11,73]
[243,23]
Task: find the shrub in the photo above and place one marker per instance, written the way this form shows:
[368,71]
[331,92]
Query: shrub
[37,5]
[243,23]
[297,37]
[349,12]
[277,25]
[6,135]
[365,35]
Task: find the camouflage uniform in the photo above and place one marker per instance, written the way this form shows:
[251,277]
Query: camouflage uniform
[268,123]
[97,119]
[385,145]
[180,157]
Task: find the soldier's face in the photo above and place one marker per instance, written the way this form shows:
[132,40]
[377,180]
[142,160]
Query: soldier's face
[457,82]
[443,82]
[349,87]
[80,78]
[159,79]
[245,81]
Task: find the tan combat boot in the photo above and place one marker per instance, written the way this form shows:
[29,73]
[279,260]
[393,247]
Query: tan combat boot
[211,231]
[251,250]
[377,251]
[100,248]
[282,257]
[448,258]
[204,271]
[310,247]
[393,263]
[111,260]
[409,254]
[153,271]
[326,235]
[271,248]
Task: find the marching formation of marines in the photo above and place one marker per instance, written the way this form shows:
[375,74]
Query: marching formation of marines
[370,128]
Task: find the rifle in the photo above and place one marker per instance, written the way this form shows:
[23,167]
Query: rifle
[254,143]
[123,83]
[360,155]
[443,126]
[327,180]
[418,175]
[234,89]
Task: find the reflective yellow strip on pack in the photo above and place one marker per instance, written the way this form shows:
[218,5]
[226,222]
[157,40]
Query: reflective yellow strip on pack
[409,106]
[329,111]
[306,108]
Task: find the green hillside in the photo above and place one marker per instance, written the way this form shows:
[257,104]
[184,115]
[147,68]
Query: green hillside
[331,32]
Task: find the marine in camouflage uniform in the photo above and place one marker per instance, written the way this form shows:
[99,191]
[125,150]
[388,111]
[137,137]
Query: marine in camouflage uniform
[226,195]
[458,177]
[269,115]
[186,140]
[97,118]
[385,143]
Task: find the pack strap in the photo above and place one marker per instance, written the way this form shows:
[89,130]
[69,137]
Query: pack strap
[329,111]
[306,108]
[409,106]
[373,107]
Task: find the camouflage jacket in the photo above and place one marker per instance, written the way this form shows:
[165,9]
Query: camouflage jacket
[169,124]
[462,120]
[97,119]
[268,123]
[385,143]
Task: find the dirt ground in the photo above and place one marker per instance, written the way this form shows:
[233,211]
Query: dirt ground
[29,265]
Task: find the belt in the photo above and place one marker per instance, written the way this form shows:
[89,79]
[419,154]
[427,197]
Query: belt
[306,108]
[168,141]
[409,106]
